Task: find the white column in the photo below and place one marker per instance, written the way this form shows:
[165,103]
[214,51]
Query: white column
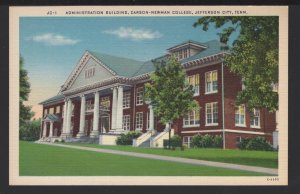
[45,129]
[167,127]
[275,133]
[82,117]
[120,109]
[95,131]
[151,118]
[65,117]
[114,109]
[69,115]
[51,129]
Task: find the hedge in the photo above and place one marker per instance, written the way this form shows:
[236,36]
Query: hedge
[175,141]
[206,141]
[127,138]
[257,143]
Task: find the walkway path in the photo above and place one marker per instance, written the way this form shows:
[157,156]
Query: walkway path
[173,159]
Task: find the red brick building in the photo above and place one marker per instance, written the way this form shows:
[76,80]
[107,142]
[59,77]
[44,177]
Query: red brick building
[116,86]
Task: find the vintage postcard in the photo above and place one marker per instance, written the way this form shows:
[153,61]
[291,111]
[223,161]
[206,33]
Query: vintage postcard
[148,95]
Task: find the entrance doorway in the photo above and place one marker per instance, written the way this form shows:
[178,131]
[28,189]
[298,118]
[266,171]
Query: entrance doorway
[104,123]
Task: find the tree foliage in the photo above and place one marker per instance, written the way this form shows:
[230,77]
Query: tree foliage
[30,130]
[253,55]
[25,111]
[169,92]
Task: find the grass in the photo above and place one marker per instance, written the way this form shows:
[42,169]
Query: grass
[46,160]
[244,157]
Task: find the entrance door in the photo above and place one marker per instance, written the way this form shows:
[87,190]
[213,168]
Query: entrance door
[104,124]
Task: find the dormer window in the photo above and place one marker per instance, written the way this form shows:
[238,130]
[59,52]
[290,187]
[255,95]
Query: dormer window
[89,72]
[186,49]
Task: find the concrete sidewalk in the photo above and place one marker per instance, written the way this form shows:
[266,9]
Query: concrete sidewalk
[173,159]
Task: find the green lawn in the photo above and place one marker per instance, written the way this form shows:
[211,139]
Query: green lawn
[46,160]
[245,157]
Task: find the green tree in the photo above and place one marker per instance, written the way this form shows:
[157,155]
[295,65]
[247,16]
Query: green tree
[30,130]
[253,55]
[25,111]
[169,92]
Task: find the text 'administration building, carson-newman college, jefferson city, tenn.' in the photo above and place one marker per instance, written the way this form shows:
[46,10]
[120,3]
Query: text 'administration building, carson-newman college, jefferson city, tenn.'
[103,97]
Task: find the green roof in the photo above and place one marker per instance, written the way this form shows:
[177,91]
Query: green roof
[122,66]
[213,47]
[56,98]
[52,117]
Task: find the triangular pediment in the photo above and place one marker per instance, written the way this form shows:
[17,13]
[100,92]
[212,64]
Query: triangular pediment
[88,71]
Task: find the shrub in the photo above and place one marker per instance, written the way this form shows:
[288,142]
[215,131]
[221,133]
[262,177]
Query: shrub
[175,141]
[56,141]
[206,141]
[259,143]
[62,141]
[126,139]
[30,131]
[196,141]
[242,145]
[217,141]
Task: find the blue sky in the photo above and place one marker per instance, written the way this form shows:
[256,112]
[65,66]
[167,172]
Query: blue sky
[52,46]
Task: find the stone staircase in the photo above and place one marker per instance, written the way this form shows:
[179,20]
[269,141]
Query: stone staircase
[145,144]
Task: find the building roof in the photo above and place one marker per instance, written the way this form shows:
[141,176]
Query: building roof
[122,66]
[131,68]
[200,44]
[213,47]
[56,98]
[51,117]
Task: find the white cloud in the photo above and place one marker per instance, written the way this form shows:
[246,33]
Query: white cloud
[134,34]
[54,39]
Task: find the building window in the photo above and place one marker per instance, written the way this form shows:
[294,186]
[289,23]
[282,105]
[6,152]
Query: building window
[89,106]
[192,118]
[211,79]
[180,54]
[139,95]
[57,110]
[105,103]
[89,72]
[195,82]
[240,116]
[51,110]
[126,122]
[139,121]
[185,53]
[255,118]
[126,100]
[211,113]
[238,140]
[45,112]
[187,141]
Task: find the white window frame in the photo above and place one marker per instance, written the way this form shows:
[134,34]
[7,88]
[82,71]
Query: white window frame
[105,102]
[213,112]
[196,86]
[126,122]
[239,113]
[126,100]
[191,118]
[89,106]
[90,72]
[211,83]
[51,110]
[139,120]
[139,96]
[256,115]
[57,112]
[185,53]
[187,140]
